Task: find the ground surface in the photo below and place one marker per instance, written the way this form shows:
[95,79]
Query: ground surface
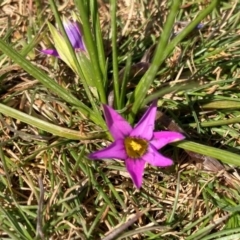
[49,190]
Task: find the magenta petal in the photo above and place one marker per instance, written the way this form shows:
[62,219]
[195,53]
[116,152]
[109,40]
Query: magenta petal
[80,43]
[115,150]
[52,52]
[74,34]
[117,125]
[160,139]
[145,126]
[154,158]
[135,168]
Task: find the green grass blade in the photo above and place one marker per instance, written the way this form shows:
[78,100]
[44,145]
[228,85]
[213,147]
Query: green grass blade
[98,35]
[48,127]
[49,83]
[15,224]
[144,84]
[204,231]
[100,46]
[72,58]
[113,6]
[216,122]
[125,81]
[90,43]
[222,155]
[97,219]
[163,50]
[230,234]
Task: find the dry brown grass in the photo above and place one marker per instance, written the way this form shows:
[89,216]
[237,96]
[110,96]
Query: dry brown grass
[76,191]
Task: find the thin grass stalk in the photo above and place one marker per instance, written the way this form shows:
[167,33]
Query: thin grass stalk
[14,224]
[98,36]
[100,47]
[51,172]
[115,193]
[4,163]
[158,94]
[125,81]
[175,204]
[39,10]
[31,45]
[97,220]
[115,53]
[93,13]
[192,225]
[144,84]
[222,155]
[226,234]
[216,122]
[79,156]
[192,25]
[205,230]
[7,230]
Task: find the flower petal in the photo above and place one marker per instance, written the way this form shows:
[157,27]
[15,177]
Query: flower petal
[80,44]
[135,168]
[117,125]
[115,150]
[145,126]
[52,52]
[73,31]
[160,139]
[154,158]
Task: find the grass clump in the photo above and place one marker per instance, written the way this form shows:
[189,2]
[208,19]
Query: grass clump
[49,189]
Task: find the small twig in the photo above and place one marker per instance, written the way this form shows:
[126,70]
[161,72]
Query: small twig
[39,230]
[113,234]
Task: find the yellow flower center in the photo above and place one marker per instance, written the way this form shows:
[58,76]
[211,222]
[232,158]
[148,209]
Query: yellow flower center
[135,147]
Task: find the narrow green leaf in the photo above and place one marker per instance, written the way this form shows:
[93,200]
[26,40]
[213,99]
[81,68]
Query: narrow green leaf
[144,84]
[221,105]
[227,234]
[86,67]
[48,127]
[222,155]
[164,48]
[61,46]
[113,10]
[216,122]
[50,83]
[125,81]
[75,62]
[91,47]
[97,219]
[100,46]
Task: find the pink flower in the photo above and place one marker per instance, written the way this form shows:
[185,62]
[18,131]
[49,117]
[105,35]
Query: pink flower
[136,146]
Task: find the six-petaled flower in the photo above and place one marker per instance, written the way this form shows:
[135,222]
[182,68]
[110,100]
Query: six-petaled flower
[136,146]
